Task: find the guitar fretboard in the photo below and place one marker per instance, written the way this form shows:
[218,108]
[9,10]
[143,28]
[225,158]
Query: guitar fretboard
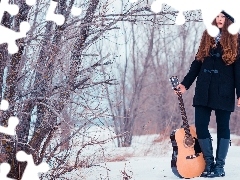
[184,115]
[185,125]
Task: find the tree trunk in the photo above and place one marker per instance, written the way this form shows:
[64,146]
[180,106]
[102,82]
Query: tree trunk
[10,94]
[46,120]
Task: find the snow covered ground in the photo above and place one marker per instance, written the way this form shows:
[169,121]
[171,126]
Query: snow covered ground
[148,160]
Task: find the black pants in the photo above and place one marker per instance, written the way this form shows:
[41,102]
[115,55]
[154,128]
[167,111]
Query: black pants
[202,119]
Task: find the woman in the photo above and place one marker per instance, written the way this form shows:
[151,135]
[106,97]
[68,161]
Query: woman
[217,68]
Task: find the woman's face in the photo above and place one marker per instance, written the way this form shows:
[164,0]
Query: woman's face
[220,20]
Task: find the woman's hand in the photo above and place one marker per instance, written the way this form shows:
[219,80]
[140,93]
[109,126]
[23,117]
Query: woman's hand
[238,102]
[183,89]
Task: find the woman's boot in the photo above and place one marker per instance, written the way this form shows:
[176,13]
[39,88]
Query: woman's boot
[207,150]
[221,154]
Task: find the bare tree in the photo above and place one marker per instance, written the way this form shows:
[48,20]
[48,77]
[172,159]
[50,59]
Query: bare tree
[144,102]
[54,81]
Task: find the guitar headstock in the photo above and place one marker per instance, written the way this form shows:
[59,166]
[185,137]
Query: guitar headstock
[174,81]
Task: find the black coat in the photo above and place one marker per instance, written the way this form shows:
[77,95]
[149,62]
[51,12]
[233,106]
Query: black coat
[216,81]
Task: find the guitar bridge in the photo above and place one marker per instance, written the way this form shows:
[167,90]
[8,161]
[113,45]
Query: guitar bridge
[193,156]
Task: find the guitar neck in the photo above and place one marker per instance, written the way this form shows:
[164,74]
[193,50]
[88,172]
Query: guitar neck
[183,114]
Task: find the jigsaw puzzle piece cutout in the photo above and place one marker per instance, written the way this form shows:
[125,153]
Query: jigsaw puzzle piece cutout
[75,11]
[30,2]
[10,8]
[181,6]
[208,15]
[9,36]
[12,124]
[51,16]
[4,170]
[4,105]
[208,12]
[31,169]
[133,1]
[58,18]
[232,8]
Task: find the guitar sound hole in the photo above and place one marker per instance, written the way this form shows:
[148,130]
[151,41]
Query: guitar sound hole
[189,141]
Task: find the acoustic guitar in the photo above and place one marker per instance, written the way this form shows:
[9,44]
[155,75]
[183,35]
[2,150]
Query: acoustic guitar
[187,158]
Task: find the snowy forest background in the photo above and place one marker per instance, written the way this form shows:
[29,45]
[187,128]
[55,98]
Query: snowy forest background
[107,69]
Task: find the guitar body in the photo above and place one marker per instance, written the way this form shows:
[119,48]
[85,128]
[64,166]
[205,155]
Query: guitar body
[187,162]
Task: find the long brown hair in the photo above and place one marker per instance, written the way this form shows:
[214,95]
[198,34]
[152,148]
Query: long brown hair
[228,42]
